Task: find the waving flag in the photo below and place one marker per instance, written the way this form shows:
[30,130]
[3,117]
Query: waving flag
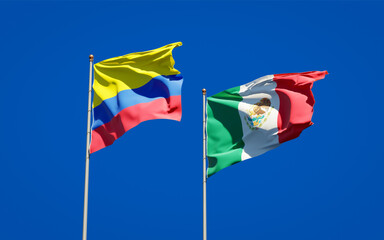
[249,120]
[131,89]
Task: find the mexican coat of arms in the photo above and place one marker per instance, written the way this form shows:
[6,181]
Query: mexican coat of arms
[258,113]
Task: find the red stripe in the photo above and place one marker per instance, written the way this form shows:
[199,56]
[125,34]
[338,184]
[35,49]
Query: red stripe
[296,102]
[162,108]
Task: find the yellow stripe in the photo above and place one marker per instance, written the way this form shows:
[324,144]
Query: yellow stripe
[131,71]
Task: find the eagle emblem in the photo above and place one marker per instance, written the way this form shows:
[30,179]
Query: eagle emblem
[258,113]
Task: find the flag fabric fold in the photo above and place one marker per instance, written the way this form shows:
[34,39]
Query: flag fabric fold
[249,120]
[131,89]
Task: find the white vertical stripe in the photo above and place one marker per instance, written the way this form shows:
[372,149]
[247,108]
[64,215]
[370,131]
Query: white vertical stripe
[263,138]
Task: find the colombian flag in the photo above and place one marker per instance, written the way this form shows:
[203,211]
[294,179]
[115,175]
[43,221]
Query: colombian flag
[131,89]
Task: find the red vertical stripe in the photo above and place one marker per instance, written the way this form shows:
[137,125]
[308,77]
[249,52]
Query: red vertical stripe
[296,102]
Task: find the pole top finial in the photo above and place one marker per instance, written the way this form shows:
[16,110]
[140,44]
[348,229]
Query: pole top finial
[91,58]
[204,91]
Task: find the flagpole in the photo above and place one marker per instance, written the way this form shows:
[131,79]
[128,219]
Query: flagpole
[204,170]
[86,183]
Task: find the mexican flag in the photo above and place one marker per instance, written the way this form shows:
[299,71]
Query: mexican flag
[246,121]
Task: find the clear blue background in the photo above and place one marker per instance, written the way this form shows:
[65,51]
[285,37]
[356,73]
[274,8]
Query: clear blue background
[325,185]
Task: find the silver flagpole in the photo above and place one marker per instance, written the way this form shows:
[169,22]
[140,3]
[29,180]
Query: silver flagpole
[204,172]
[86,183]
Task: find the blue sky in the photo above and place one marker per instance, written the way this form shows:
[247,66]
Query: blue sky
[327,184]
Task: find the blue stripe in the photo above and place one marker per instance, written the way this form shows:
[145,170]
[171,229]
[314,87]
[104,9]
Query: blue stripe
[158,87]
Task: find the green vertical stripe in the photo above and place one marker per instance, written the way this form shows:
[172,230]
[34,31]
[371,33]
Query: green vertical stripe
[224,130]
